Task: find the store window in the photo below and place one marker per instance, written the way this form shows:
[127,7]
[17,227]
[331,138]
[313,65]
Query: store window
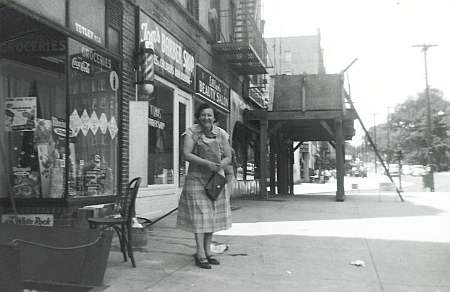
[32,93]
[160,136]
[93,110]
[58,113]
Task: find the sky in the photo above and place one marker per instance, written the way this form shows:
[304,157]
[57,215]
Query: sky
[380,34]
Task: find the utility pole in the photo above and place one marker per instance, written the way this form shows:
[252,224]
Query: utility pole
[280,61]
[425,48]
[375,140]
[388,133]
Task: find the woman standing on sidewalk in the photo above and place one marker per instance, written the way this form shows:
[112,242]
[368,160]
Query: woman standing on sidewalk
[207,149]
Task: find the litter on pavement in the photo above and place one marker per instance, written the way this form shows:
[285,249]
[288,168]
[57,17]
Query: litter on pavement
[217,247]
[358,263]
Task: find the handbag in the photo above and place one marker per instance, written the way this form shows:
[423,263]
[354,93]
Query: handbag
[215,185]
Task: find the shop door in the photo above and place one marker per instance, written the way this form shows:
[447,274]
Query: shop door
[184,121]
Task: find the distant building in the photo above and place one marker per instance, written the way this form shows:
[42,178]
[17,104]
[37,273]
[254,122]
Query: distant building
[292,56]
[295,55]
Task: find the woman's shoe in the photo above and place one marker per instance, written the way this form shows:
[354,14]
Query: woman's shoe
[202,262]
[212,261]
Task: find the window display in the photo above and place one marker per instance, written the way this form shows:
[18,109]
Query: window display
[32,91]
[59,105]
[160,136]
[93,95]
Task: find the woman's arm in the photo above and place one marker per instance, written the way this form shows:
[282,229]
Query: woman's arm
[191,157]
[226,160]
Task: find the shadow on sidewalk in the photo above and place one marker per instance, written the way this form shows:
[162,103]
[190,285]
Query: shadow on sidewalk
[324,207]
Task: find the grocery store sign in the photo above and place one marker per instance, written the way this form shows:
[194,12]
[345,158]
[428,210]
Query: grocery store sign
[37,44]
[172,58]
[29,219]
[212,88]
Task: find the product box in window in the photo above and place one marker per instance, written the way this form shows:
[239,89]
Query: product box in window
[45,147]
[25,182]
[59,158]
[94,177]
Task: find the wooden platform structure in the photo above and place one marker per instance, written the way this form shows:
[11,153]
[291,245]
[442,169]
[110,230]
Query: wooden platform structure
[304,108]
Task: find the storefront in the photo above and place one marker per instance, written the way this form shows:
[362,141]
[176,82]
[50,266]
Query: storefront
[244,141]
[60,93]
[160,115]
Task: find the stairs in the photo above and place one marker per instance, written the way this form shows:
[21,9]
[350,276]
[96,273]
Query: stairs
[243,29]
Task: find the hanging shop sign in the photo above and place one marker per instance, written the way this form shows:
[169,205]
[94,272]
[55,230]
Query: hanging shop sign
[172,59]
[212,88]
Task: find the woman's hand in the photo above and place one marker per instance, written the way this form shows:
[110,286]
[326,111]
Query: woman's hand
[214,166]
[223,164]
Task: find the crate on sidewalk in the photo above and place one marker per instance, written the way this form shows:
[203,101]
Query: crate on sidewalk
[354,188]
[387,187]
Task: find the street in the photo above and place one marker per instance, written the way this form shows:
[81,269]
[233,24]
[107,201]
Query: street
[414,183]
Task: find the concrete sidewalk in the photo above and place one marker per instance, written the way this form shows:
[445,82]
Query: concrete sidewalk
[372,182]
[304,243]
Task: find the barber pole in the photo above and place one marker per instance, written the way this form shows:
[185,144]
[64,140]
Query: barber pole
[146,73]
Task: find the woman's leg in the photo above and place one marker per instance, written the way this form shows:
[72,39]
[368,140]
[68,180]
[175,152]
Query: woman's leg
[200,241]
[208,240]
[200,257]
[207,243]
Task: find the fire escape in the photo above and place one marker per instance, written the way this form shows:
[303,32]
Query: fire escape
[245,49]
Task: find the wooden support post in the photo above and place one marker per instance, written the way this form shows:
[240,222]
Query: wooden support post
[245,152]
[340,169]
[306,167]
[284,167]
[272,165]
[263,158]
[279,177]
[291,170]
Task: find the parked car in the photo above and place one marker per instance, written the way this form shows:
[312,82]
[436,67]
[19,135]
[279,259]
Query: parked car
[406,169]
[359,171]
[418,170]
[393,169]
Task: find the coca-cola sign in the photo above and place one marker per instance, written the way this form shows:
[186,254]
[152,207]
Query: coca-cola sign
[81,65]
